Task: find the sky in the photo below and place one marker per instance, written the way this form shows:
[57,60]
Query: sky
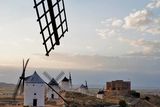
[107,40]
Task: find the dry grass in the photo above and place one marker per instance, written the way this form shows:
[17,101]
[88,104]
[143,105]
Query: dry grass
[82,100]
[154,99]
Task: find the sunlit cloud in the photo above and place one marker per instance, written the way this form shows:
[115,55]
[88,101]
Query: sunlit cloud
[106,33]
[134,31]
[154,4]
[117,23]
[139,19]
[143,47]
[154,30]
[98,62]
[143,21]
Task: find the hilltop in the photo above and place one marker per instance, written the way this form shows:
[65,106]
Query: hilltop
[81,100]
[6,85]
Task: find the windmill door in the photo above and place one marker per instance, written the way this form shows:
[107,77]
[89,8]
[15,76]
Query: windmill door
[52,96]
[34,102]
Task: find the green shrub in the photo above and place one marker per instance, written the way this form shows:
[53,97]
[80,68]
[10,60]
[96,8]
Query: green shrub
[135,94]
[147,98]
[122,103]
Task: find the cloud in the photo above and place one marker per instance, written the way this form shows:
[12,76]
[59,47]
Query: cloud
[143,47]
[105,33]
[99,62]
[139,19]
[90,48]
[154,30]
[137,32]
[154,4]
[117,23]
[143,21]
[112,28]
[134,43]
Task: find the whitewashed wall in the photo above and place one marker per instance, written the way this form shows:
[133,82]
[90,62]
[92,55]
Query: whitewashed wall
[83,90]
[29,94]
[100,96]
[65,86]
[50,92]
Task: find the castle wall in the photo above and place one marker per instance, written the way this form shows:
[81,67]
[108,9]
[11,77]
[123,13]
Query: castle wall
[118,87]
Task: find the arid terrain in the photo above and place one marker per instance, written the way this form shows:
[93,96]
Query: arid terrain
[80,100]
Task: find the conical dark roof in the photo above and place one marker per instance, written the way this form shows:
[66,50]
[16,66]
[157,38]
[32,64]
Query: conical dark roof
[53,82]
[35,78]
[100,92]
[83,86]
[65,79]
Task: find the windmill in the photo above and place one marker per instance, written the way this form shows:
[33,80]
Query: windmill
[54,82]
[51,95]
[20,85]
[83,88]
[32,87]
[51,16]
[52,79]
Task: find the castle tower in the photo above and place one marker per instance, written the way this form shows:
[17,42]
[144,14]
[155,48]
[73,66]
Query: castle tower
[34,91]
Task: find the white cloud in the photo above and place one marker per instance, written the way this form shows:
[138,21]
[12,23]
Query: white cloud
[154,30]
[104,33]
[138,19]
[134,43]
[113,27]
[98,62]
[141,21]
[154,4]
[117,23]
[91,49]
[157,21]
[143,47]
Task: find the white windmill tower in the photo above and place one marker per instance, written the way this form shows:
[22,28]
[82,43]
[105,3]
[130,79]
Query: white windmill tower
[51,95]
[34,91]
[83,88]
[32,86]
[66,83]
[100,94]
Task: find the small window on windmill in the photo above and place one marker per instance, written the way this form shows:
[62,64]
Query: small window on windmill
[52,21]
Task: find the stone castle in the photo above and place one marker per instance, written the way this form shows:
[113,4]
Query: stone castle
[118,87]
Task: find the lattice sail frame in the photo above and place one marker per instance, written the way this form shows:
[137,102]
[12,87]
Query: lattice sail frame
[52,21]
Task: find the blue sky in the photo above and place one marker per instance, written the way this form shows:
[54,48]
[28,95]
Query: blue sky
[108,36]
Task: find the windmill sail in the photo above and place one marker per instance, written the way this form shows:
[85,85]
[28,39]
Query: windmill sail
[20,85]
[52,80]
[57,93]
[52,21]
[61,74]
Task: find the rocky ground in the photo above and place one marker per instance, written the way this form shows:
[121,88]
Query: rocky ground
[80,100]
